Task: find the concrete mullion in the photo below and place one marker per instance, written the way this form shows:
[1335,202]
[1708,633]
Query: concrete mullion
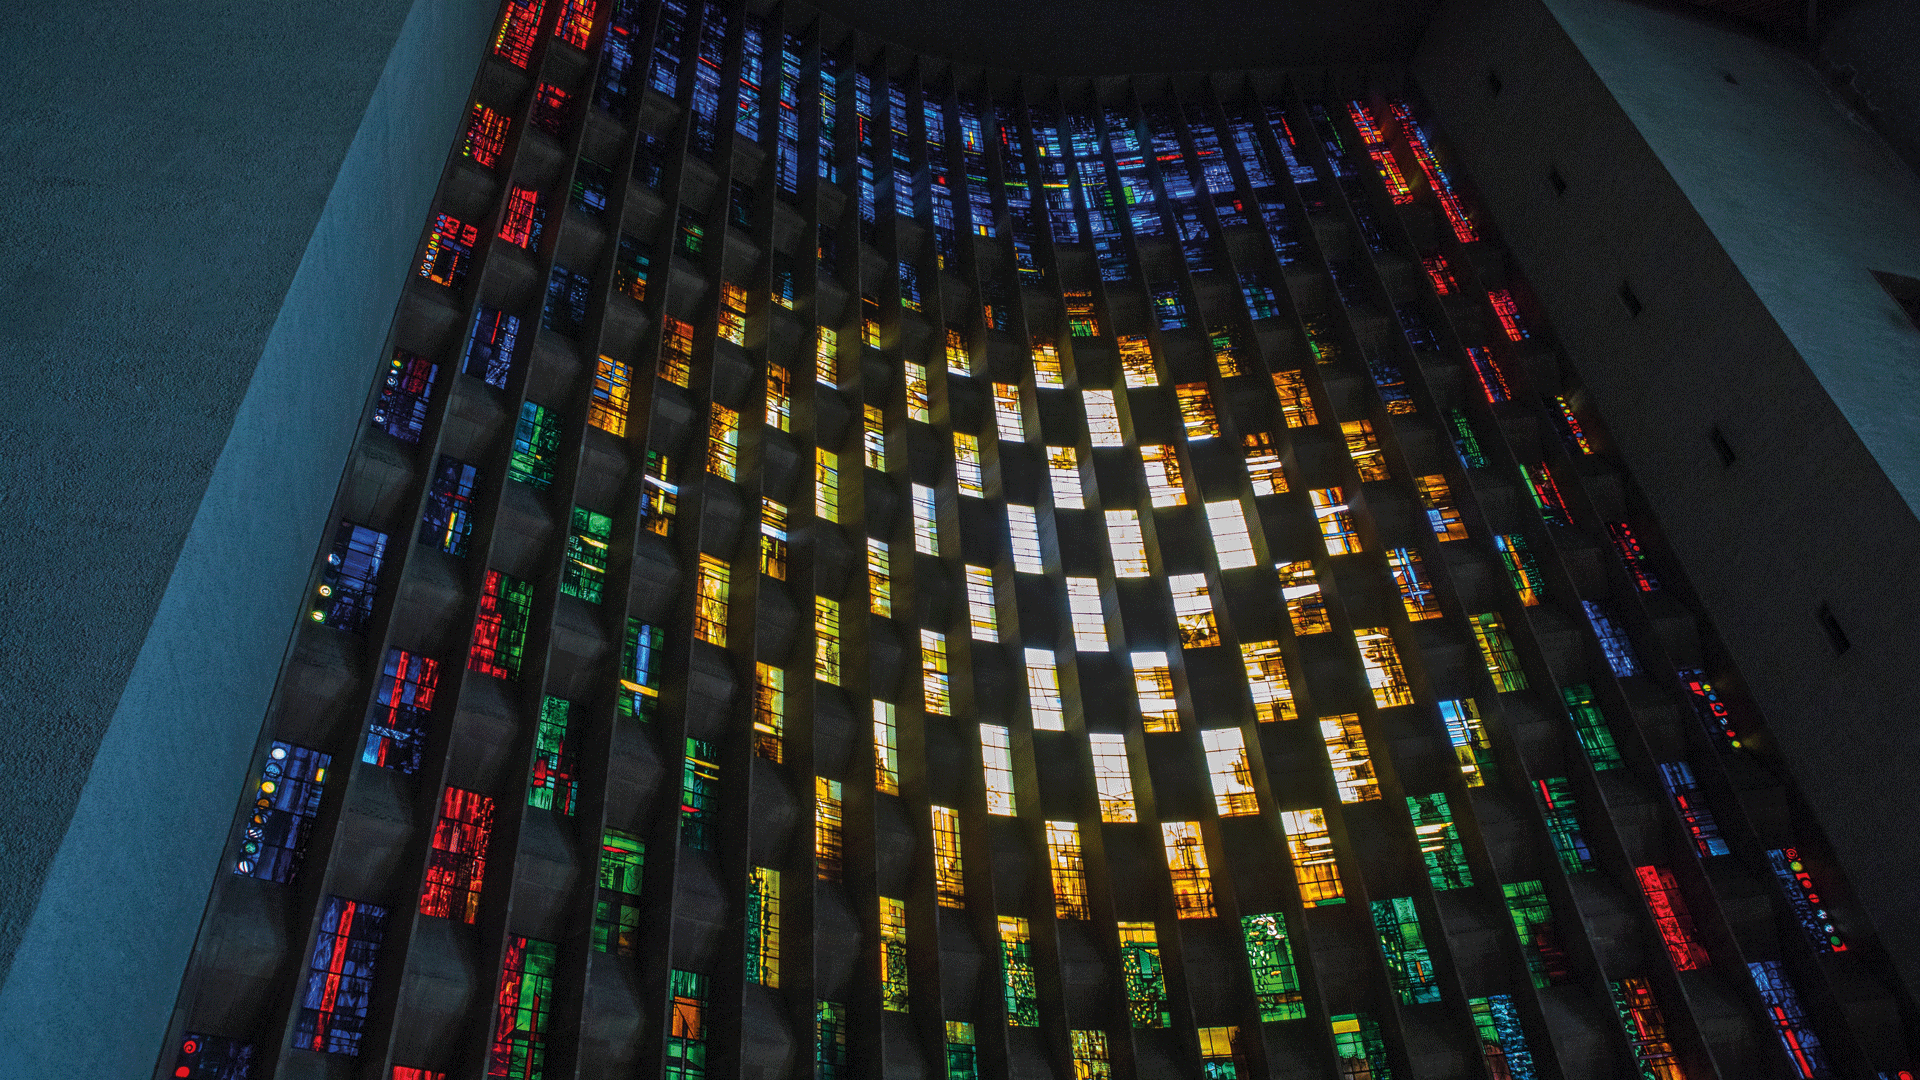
[1067,662]
[1466,823]
[977,826]
[1226,887]
[1304,956]
[1469,506]
[662,872]
[450,701]
[799,904]
[922,907]
[1146,1048]
[798,878]
[594,762]
[727,733]
[734,852]
[1605,830]
[622,566]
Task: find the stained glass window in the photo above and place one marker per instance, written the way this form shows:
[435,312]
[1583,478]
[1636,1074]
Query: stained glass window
[585,573]
[1353,774]
[1187,863]
[630,20]
[344,597]
[523,1006]
[1409,965]
[1671,917]
[948,868]
[1805,1056]
[457,862]
[830,1059]
[1016,970]
[525,219]
[486,137]
[893,954]
[1276,982]
[555,783]
[402,704]
[1646,1029]
[687,1026]
[339,986]
[1468,733]
[1439,841]
[1145,978]
[1590,725]
[1311,849]
[612,394]
[1503,1044]
[565,312]
[639,693]
[963,1058]
[404,396]
[826,828]
[616,908]
[536,447]
[699,794]
[1267,681]
[447,521]
[1563,824]
[769,712]
[1232,774]
[763,926]
[1069,868]
[519,31]
[1528,583]
[213,1057]
[492,340]
[286,800]
[1809,910]
[500,631]
[1359,1046]
[1496,648]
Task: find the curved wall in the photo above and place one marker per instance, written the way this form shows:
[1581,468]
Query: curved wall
[157,780]
[1417,699]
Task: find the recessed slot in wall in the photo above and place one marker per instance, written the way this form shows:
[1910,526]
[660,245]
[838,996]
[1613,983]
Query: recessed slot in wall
[1905,292]
[1722,447]
[1493,83]
[1559,182]
[1628,298]
[1836,637]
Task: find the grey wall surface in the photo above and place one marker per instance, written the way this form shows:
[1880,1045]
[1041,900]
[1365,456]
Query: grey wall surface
[212,209]
[1804,199]
[1746,214]
[159,202]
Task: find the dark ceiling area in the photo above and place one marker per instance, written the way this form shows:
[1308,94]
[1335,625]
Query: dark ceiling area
[1780,16]
[1106,37]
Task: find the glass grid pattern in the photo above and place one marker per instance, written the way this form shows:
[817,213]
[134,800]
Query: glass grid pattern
[1130,386]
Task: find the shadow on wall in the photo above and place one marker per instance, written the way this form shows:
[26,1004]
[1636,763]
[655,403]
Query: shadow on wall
[1870,52]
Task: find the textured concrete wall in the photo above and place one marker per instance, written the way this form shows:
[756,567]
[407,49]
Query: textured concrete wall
[1804,199]
[1715,174]
[211,210]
